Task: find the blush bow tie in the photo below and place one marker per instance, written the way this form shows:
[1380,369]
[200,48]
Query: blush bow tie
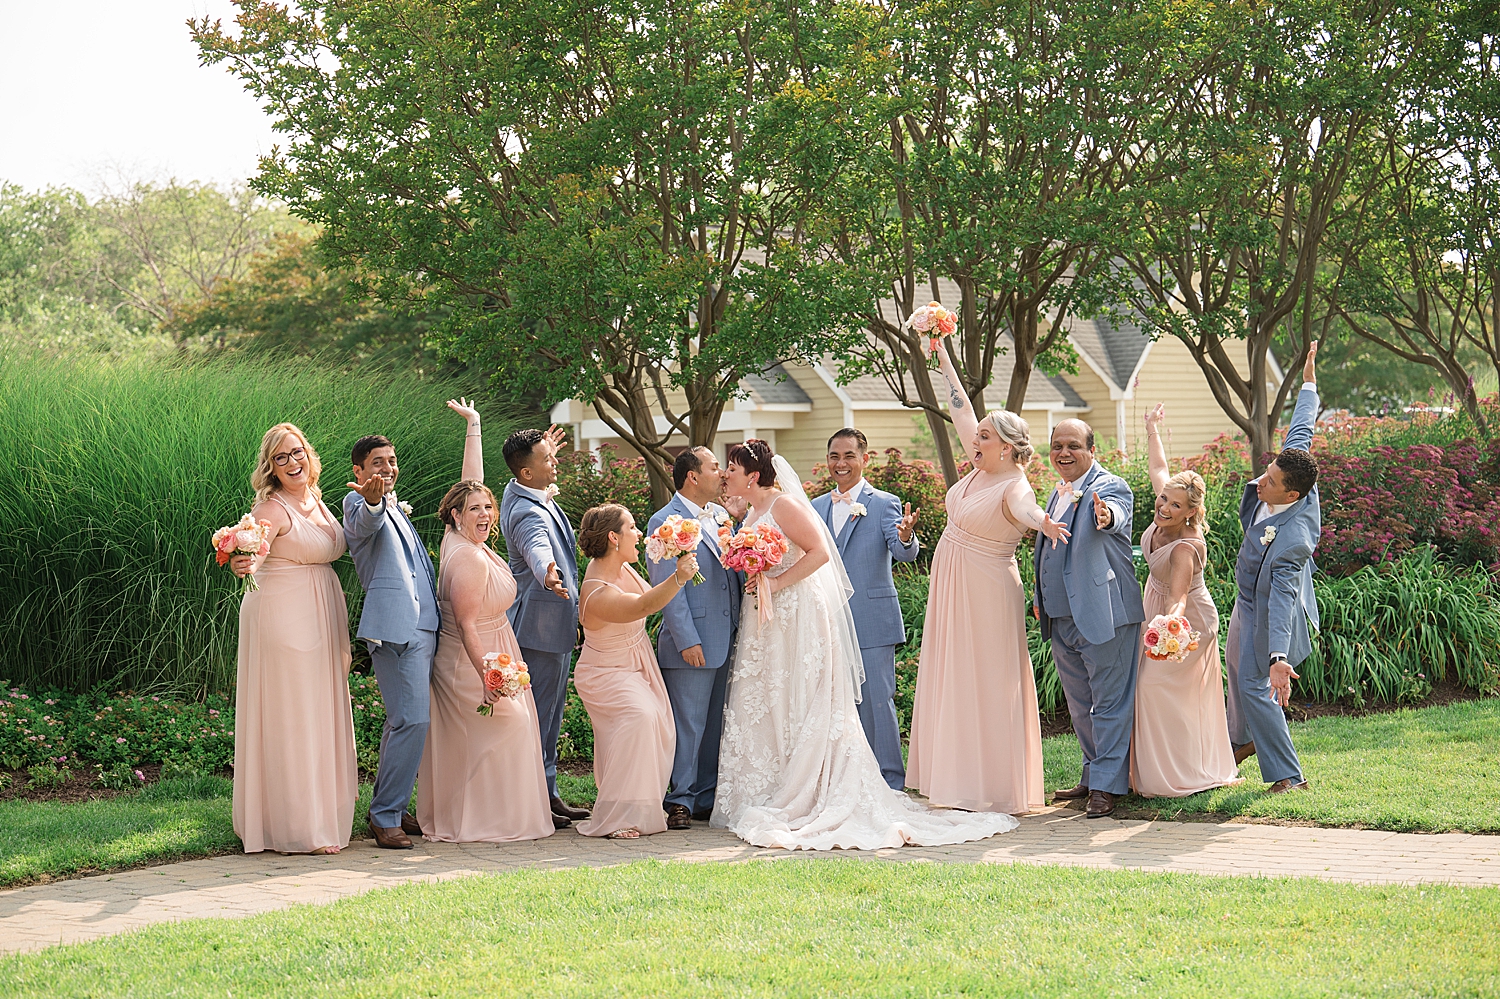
[1065,490]
[845,498]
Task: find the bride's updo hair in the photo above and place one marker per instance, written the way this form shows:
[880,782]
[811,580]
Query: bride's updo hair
[1014,431]
[755,456]
[598,524]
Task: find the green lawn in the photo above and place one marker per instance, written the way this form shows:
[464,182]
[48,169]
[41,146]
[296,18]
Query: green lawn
[813,928]
[1431,769]
[172,820]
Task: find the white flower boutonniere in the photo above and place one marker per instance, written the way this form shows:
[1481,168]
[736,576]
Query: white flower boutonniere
[857,510]
[1269,535]
[404,507]
[552,491]
[721,518]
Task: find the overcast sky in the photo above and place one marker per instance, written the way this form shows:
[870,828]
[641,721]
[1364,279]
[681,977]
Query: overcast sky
[91,89]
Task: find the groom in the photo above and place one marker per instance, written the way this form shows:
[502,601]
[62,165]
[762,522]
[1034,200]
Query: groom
[544,560]
[1268,629]
[399,623]
[1089,604]
[867,551]
[698,630]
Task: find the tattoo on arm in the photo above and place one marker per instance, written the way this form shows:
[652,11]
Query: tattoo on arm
[955,397]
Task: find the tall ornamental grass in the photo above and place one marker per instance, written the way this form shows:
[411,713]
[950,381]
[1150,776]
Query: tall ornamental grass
[114,474]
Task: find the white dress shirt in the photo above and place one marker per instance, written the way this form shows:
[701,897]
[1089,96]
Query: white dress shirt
[540,495]
[839,512]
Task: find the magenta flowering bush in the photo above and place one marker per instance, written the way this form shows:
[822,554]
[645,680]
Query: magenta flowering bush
[59,728]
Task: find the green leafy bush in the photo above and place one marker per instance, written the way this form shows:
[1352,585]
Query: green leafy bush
[45,776]
[120,777]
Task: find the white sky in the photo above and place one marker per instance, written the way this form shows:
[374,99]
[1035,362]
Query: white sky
[95,90]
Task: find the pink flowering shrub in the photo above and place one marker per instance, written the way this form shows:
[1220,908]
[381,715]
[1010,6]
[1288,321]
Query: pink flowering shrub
[586,480]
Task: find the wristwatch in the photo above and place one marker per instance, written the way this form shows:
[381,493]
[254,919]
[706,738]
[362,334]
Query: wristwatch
[1277,657]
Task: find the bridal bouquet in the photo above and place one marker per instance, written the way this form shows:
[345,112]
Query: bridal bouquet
[248,537]
[507,675]
[753,550]
[934,320]
[1170,637]
[676,537]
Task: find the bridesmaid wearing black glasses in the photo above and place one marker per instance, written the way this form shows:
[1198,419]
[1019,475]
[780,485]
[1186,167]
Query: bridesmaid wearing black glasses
[295,778]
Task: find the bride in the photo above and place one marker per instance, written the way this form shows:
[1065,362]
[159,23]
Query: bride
[795,770]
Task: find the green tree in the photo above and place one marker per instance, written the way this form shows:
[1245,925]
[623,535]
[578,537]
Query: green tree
[614,198]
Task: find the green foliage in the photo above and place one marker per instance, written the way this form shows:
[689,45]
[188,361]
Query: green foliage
[113,476]
[119,777]
[45,776]
[576,741]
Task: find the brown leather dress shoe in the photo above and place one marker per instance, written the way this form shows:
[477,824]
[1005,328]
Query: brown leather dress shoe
[1071,793]
[703,815]
[1287,784]
[678,817]
[1101,803]
[567,811]
[390,839]
[1243,753]
[410,825]
[561,822]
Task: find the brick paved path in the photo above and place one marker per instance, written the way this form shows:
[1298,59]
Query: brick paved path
[87,908]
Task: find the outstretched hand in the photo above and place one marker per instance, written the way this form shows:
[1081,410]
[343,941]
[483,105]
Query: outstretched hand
[1102,516]
[464,408]
[372,489]
[1310,366]
[557,437]
[908,525]
[553,581]
[1282,676]
[1055,530]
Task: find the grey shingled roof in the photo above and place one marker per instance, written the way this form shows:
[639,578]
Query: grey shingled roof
[1115,344]
[775,386]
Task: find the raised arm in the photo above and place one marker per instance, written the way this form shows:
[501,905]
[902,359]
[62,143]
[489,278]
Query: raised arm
[965,420]
[615,606]
[473,443]
[1300,433]
[364,509]
[894,523]
[1156,451]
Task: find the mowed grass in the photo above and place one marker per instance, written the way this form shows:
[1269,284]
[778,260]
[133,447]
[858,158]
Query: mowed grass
[799,927]
[1431,769]
[172,820]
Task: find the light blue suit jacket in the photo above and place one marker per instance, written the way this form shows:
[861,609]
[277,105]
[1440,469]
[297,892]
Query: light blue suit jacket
[1097,566]
[536,536]
[706,614]
[393,567]
[868,545]
[1281,571]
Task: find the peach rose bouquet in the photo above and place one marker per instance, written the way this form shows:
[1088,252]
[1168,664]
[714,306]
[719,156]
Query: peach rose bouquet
[677,536]
[1170,637]
[508,676]
[935,321]
[753,550]
[248,537]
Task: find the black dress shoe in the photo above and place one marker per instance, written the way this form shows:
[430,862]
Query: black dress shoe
[410,825]
[1101,803]
[1243,753]
[561,822]
[703,815]
[1071,793]
[678,817]
[560,807]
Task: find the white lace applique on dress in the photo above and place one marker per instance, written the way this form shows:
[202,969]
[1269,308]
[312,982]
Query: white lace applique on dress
[795,770]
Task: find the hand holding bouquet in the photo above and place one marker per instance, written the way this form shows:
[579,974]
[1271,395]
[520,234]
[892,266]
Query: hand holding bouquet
[503,675]
[676,537]
[1170,637]
[752,551]
[248,537]
[935,321]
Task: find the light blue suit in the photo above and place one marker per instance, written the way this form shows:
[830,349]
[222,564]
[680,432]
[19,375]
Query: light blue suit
[868,544]
[400,622]
[1094,624]
[546,625]
[1272,610]
[707,614]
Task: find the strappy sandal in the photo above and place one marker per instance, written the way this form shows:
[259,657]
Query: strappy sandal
[631,833]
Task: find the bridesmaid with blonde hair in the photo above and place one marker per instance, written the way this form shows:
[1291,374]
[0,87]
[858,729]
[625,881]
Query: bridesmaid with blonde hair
[1180,744]
[976,738]
[295,777]
[618,679]
[481,777]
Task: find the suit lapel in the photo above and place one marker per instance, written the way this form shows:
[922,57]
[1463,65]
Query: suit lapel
[849,522]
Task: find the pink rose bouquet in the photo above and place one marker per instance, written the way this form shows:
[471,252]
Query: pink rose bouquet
[248,537]
[1170,637]
[677,536]
[936,321]
[508,676]
[753,550]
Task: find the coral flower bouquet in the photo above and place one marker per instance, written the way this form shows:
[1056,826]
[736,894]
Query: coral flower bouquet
[1170,637]
[677,536]
[508,676]
[934,320]
[753,550]
[248,537]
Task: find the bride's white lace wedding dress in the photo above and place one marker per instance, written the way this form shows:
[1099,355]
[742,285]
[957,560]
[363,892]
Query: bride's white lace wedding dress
[795,770]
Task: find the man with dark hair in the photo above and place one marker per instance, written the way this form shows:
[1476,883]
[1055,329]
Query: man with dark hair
[696,644]
[544,560]
[867,551]
[1269,632]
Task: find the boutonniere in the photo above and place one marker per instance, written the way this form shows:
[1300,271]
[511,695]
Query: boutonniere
[551,492]
[1269,535]
[404,507]
[857,510]
[721,518]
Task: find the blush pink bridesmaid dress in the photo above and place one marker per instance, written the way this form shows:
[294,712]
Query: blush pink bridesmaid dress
[481,777]
[1181,741]
[295,776]
[976,738]
[620,684]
